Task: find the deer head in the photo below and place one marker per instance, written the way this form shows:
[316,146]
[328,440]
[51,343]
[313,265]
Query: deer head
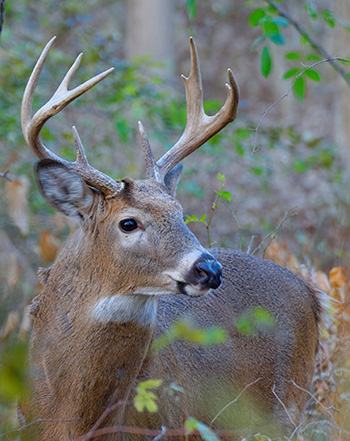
[143,217]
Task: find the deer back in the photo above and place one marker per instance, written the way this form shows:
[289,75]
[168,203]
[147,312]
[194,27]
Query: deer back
[272,363]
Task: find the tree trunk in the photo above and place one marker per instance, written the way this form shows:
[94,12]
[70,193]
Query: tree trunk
[149,30]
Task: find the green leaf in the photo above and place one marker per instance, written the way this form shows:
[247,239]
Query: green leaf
[258,171]
[291,73]
[190,425]
[223,194]
[145,399]
[243,133]
[311,10]
[328,17]
[313,57]
[313,75]
[206,433]
[150,384]
[300,167]
[221,179]
[202,220]
[265,62]
[270,28]
[254,320]
[276,38]
[280,21]
[191,8]
[304,40]
[292,56]
[299,89]
[13,375]
[256,16]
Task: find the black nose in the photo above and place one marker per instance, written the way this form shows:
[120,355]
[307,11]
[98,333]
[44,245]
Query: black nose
[207,272]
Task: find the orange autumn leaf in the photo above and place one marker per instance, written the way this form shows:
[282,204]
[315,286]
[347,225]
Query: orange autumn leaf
[49,246]
[322,281]
[337,277]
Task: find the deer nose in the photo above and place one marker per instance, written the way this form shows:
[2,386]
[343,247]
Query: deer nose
[207,272]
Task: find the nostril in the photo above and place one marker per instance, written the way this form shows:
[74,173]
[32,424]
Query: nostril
[209,273]
[202,270]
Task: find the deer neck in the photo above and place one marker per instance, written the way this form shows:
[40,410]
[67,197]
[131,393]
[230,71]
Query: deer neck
[89,342]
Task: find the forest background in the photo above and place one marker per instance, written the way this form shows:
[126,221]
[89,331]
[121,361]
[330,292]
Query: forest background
[281,160]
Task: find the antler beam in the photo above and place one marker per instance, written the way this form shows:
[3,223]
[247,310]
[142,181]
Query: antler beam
[199,127]
[32,125]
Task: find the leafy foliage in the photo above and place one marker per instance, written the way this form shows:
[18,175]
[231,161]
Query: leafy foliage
[144,398]
[187,330]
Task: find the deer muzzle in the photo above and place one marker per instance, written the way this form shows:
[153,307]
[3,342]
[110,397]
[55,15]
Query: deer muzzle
[205,274]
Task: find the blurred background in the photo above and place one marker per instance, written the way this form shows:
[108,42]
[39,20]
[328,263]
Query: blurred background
[282,159]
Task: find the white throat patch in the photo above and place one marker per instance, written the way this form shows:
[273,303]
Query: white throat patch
[123,308]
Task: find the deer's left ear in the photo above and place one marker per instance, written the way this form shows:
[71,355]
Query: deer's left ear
[63,189]
[172,178]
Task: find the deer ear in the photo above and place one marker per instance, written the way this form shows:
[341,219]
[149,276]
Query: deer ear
[172,178]
[63,189]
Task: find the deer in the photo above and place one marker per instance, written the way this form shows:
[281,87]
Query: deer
[129,271]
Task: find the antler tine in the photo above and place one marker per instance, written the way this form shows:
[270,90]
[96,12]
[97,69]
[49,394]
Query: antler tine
[31,126]
[199,126]
[152,170]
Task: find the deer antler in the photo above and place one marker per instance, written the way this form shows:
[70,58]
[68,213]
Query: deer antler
[199,127]
[32,125]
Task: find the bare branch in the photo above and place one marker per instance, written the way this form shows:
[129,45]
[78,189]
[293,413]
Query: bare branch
[273,389]
[318,48]
[161,435]
[268,110]
[289,213]
[236,399]
[316,400]
[39,420]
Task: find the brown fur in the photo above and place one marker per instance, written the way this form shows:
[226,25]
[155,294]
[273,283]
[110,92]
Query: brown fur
[79,365]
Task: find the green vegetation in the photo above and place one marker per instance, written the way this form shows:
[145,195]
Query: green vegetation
[255,157]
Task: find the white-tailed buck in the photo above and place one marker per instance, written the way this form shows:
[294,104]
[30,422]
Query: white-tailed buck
[129,271]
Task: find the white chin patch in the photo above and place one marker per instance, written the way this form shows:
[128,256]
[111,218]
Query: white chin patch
[192,291]
[124,308]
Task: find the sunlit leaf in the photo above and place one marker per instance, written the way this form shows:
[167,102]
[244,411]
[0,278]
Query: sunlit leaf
[145,399]
[190,425]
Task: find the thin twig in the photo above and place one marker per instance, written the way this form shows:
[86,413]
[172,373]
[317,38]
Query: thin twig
[110,408]
[317,401]
[39,420]
[150,432]
[161,435]
[238,225]
[268,110]
[319,49]
[235,400]
[251,243]
[273,389]
[289,213]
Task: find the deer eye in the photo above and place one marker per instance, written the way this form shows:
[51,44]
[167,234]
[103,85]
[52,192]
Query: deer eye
[128,225]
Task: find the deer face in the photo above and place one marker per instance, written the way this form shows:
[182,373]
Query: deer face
[142,241]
